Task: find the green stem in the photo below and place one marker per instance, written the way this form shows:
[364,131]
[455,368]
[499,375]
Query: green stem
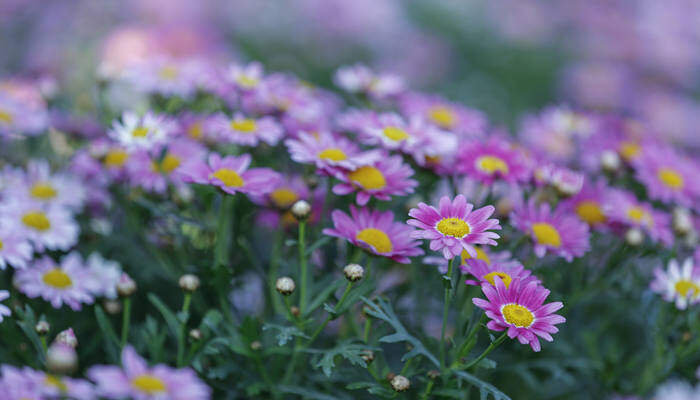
[43,344]
[126,319]
[445,312]
[471,337]
[328,318]
[368,327]
[223,237]
[181,333]
[303,268]
[428,389]
[489,349]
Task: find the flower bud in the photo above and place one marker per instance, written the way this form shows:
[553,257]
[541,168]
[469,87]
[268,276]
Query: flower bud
[301,210]
[188,282]
[195,335]
[67,337]
[634,237]
[400,383]
[295,311]
[285,285]
[610,161]
[125,286]
[682,221]
[61,358]
[255,345]
[504,206]
[433,374]
[353,272]
[367,355]
[42,328]
[112,306]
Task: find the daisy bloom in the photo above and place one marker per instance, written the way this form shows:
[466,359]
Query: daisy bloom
[519,309]
[167,76]
[557,232]
[230,174]
[679,283]
[328,152]
[389,130]
[247,131]
[102,276]
[453,117]
[136,132]
[454,226]
[360,79]
[376,232]
[154,172]
[135,379]
[4,310]
[589,204]
[387,177]
[566,181]
[26,383]
[66,283]
[245,77]
[487,272]
[285,193]
[668,176]
[19,118]
[15,248]
[46,227]
[624,209]
[495,159]
[40,185]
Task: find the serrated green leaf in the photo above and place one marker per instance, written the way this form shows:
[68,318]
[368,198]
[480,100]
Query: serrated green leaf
[373,388]
[485,388]
[323,295]
[285,333]
[349,350]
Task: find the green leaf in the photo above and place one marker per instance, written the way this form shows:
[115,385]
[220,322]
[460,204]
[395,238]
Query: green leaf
[170,318]
[306,393]
[320,242]
[285,333]
[373,388]
[27,322]
[348,350]
[381,309]
[108,331]
[323,295]
[485,388]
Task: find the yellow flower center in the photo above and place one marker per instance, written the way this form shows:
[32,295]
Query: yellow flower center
[283,197]
[195,130]
[546,234]
[0,244]
[115,158]
[442,116]
[169,163]
[670,178]
[229,177]
[5,117]
[168,72]
[589,211]
[148,383]
[36,220]
[246,81]
[492,164]
[375,238]
[395,134]
[43,190]
[57,278]
[629,150]
[504,277]
[639,215]
[368,177]
[480,255]
[140,132]
[517,315]
[56,382]
[333,155]
[684,288]
[246,125]
[454,227]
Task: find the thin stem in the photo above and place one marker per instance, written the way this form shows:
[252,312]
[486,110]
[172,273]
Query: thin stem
[303,270]
[328,318]
[445,312]
[43,343]
[470,341]
[126,319]
[223,237]
[368,327]
[489,349]
[428,389]
[183,323]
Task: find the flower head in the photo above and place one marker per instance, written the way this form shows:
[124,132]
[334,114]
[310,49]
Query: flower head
[330,153]
[153,170]
[247,131]
[386,177]
[15,248]
[47,227]
[136,132]
[375,231]
[495,159]
[519,308]
[624,209]
[668,175]
[360,79]
[679,283]
[454,226]
[454,117]
[589,204]
[487,272]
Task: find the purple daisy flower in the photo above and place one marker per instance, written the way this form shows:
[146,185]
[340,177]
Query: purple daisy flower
[4,310]
[495,159]
[66,283]
[519,308]
[167,76]
[15,249]
[330,153]
[26,383]
[566,181]
[388,130]
[381,179]
[47,227]
[557,232]
[376,232]
[19,118]
[454,117]
[231,174]
[589,204]
[284,193]
[360,79]
[247,131]
[136,132]
[624,209]
[454,226]
[153,173]
[668,175]
[136,379]
[486,272]
[679,284]
[39,185]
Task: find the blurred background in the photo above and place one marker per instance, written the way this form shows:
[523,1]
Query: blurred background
[507,57]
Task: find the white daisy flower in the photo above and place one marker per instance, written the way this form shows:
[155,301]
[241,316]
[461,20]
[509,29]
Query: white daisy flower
[680,284]
[66,283]
[136,132]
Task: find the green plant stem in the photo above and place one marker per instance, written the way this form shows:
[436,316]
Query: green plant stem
[368,327]
[445,312]
[223,237]
[43,343]
[470,340]
[330,316]
[183,323]
[428,389]
[303,268]
[126,319]
[489,349]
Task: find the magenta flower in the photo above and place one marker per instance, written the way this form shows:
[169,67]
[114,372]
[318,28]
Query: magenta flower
[388,130]
[387,177]
[487,272]
[454,117]
[152,171]
[137,380]
[231,174]
[454,226]
[376,232]
[247,131]
[495,159]
[668,175]
[330,153]
[589,204]
[27,383]
[519,308]
[624,209]
[15,248]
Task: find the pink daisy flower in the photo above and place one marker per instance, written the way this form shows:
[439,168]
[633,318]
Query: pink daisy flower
[39,185]
[387,177]
[231,174]
[46,227]
[566,181]
[168,76]
[153,173]
[330,153]
[668,175]
[589,204]
[495,159]
[247,131]
[19,118]
[376,232]
[389,130]
[487,272]
[454,117]
[245,77]
[557,232]
[15,249]
[519,309]
[27,383]
[66,283]
[624,209]
[454,226]
[284,193]
[141,132]
[679,284]
[360,79]
[136,379]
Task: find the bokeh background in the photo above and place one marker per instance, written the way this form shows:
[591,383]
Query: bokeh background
[507,57]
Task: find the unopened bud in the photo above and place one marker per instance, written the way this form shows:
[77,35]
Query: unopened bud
[255,345]
[682,221]
[285,285]
[400,383]
[610,161]
[112,306]
[67,337]
[295,311]
[353,272]
[634,236]
[195,335]
[61,358]
[42,328]
[301,210]
[125,286]
[367,356]
[433,373]
[188,282]
[504,206]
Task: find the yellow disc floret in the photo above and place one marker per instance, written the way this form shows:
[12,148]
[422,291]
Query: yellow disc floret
[396,134]
[246,125]
[332,154]
[375,238]
[492,165]
[37,220]
[454,227]
[517,315]
[148,383]
[546,234]
[368,177]
[57,278]
[504,277]
[671,178]
[590,212]
[229,177]
[43,191]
